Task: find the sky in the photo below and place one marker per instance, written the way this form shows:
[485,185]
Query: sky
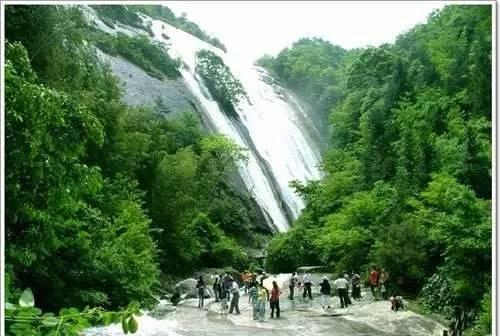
[250,29]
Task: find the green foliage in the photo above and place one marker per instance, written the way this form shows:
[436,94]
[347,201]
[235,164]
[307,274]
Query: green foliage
[25,319]
[437,295]
[287,252]
[407,182]
[222,85]
[111,13]
[316,71]
[164,13]
[152,57]
[483,325]
[59,214]
[101,195]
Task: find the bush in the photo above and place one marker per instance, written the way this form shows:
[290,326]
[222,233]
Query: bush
[223,86]
[152,57]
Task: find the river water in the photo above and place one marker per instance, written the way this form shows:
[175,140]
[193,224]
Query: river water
[366,317]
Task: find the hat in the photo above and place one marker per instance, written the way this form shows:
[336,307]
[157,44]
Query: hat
[325,278]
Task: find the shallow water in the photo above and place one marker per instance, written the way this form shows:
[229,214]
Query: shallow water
[298,317]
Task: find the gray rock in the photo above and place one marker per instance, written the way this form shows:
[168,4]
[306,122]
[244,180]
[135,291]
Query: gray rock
[187,288]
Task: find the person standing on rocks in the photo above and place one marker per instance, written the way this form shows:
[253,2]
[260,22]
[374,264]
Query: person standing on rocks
[341,285]
[306,280]
[275,300]
[373,280]
[216,287]
[235,290]
[293,282]
[348,278]
[253,298]
[356,285]
[201,291]
[262,297]
[226,286]
[383,283]
[326,292]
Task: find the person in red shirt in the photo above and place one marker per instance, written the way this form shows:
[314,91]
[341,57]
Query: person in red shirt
[373,279]
[274,301]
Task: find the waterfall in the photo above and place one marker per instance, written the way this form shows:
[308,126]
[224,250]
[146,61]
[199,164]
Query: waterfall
[270,126]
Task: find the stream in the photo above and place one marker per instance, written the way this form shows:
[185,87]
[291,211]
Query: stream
[299,317]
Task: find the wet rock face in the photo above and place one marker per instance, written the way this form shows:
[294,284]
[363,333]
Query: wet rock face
[300,317]
[170,96]
[187,288]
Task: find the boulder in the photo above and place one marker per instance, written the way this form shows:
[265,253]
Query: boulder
[187,288]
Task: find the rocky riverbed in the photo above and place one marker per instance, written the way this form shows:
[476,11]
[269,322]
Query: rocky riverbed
[298,318]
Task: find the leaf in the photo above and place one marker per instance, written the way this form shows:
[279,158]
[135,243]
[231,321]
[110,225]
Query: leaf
[132,325]
[125,325]
[27,299]
[50,321]
[10,306]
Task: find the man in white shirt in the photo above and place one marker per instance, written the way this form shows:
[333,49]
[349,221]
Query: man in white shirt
[306,280]
[341,284]
[235,290]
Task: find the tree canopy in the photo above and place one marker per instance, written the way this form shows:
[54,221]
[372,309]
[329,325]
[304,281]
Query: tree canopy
[407,182]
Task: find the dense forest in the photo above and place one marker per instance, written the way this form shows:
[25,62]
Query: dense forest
[105,201]
[407,181]
[103,198]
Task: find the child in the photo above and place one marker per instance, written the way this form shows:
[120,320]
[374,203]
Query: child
[262,298]
[397,303]
[253,298]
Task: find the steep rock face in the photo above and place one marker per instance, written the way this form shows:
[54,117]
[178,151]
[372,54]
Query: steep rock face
[276,155]
[170,96]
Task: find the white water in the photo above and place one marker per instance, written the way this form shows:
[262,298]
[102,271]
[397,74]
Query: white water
[271,121]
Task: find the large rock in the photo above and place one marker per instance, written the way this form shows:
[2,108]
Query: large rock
[187,288]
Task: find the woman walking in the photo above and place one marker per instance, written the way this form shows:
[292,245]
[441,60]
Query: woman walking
[275,300]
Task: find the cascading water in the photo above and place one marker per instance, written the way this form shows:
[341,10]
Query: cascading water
[279,149]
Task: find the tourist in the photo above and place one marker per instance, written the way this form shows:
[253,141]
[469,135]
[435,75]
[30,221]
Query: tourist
[267,291]
[373,280]
[275,300]
[219,287]
[253,298]
[201,291]
[356,285]
[326,292]
[235,290]
[216,287]
[383,277]
[397,303]
[226,286]
[300,289]
[293,282]
[341,285]
[306,280]
[348,279]
[245,278]
[263,296]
